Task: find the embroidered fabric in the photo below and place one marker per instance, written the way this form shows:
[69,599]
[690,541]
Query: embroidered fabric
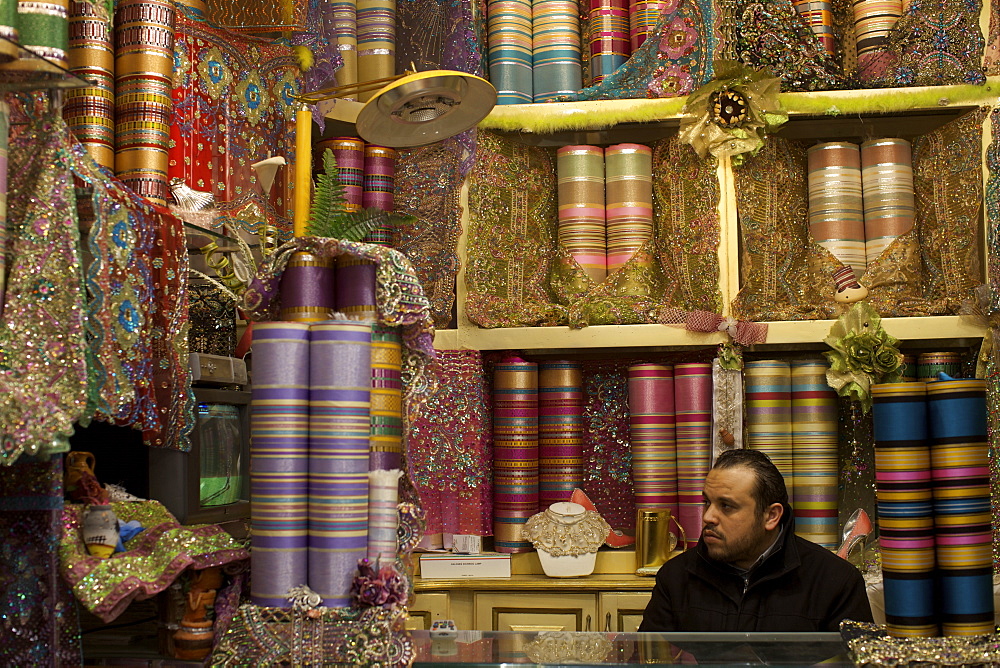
[992,212]
[436,34]
[342,636]
[519,275]
[153,560]
[561,536]
[991,54]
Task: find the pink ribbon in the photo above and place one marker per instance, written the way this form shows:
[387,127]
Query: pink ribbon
[742,332]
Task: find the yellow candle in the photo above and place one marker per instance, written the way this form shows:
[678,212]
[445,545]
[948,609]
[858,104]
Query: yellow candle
[303,170]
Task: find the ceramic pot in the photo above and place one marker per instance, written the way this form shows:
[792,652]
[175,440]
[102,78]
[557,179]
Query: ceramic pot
[100,531]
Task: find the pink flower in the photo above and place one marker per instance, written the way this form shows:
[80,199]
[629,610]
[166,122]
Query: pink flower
[678,38]
[670,81]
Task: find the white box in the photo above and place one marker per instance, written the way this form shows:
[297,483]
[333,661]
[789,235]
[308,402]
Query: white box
[454,566]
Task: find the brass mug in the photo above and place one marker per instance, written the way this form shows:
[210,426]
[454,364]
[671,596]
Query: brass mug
[654,542]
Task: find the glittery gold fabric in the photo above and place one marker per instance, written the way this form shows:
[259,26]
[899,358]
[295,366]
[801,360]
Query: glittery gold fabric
[871,645]
[151,562]
[519,275]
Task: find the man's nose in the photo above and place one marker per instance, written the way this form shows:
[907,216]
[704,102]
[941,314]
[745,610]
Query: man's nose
[708,515]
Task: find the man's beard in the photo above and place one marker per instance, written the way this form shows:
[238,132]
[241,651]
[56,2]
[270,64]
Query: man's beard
[728,551]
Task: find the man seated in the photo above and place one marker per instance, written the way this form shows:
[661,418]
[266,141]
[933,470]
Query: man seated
[749,571]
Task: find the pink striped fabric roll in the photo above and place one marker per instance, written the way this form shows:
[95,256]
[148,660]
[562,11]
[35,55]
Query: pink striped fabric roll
[887,187]
[836,212]
[580,171]
[515,452]
[652,425]
[693,405]
[768,386]
[628,170]
[642,18]
[350,155]
[609,37]
[378,181]
[383,517]
[560,431]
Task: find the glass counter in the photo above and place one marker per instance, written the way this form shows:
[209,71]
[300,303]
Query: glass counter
[556,648]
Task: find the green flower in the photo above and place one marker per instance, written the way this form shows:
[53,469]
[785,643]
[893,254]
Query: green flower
[887,363]
[863,353]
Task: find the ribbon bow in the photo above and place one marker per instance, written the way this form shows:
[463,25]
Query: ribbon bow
[742,332]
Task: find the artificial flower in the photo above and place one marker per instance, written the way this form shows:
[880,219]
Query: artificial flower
[382,587]
[732,114]
[863,354]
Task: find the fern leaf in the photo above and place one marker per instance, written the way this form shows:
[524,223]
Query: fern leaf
[328,197]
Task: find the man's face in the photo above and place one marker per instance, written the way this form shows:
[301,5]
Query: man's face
[734,530]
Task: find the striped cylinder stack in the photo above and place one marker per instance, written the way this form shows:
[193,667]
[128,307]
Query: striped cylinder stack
[908,369]
[279,460]
[383,516]
[628,170]
[959,448]
[386,439]
[90,111]
[815,465]
[906,518]
[642,18]
[349,152]
[339,431]
[652,430]
[515,451]
[560,431]
[144,65]
[508,38]
[344,14]
[376,41]
[42,28]
[930,364]
[580,172]
[609,37]
[818,15]
[887,188]
[306,288]
[555,49]
[768,387]
[873,19]
[836,211]
[378,181]
[693,408]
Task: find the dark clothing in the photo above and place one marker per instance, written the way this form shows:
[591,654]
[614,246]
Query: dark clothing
[800,587]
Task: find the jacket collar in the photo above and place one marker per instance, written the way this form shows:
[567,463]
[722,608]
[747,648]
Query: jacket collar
[784,559]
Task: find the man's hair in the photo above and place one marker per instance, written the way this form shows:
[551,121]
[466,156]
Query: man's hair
[769,484]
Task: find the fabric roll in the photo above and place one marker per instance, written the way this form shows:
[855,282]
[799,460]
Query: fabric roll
[768,387]
[908,369]
[815,464]
[609,37]
[349,152]
[4,134]
[560,431]
[929,365]
[555,49]
[144,65]
[508,38]
[90,111]
[307,288]
[628,184]
[956,411]
[836,211]
[693,406]
[279,460]
[727,409]
[642,18]
[580,171]
[652,429]
[8,31]
[905,512]
[386,441]
[376,42]
[378,180]
[818,15]
[43,29]
[873,19]
[339,431]
[383,517]
[344,14]
[887,189]
[515,452]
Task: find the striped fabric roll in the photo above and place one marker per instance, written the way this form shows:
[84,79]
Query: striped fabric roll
[814,452]
[908,369]
[8,31]
[344,14]
[339,430]
[386,441]
[515,452]
[609,37]
[929,365]
[652,429]
[508,37]
[873,19]
[642,18]
[693,408]
[349,153]
[307,289]
[279,460]
[956,412]
[383,516]
[555,49]
[628,170]
[42,28]
[90,111]
[906,519]
[768,386]
[560,431]
[836,211]
[4,135]
[376,41]
[378,181]
[887,187]
[144,66]
[818,15]
[580,171]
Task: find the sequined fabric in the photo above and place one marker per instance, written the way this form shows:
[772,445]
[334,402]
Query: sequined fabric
[856,447]
[326,636]
[436,34]
[871,645]
[213,321]
[153,560]
[992,210]
[39,624]
[991,54]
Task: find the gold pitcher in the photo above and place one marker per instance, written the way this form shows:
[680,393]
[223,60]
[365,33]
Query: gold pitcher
[655,543]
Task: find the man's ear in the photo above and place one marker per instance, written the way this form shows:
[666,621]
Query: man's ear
[772,516]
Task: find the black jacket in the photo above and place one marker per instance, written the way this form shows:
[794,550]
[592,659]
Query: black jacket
[799,587]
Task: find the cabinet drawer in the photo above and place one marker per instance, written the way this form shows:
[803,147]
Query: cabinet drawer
[621,611]
[425,608]
[535,612]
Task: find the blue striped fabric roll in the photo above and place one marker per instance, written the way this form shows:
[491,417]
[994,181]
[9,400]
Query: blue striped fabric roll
[555,49]
[508,36]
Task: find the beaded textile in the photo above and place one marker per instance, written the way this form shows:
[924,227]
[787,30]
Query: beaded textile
[871,645]
[436,34]
[991,54]
[153,560]
[325,636]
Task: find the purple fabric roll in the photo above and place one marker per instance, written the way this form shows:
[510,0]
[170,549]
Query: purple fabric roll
[307,291]
[356,288]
